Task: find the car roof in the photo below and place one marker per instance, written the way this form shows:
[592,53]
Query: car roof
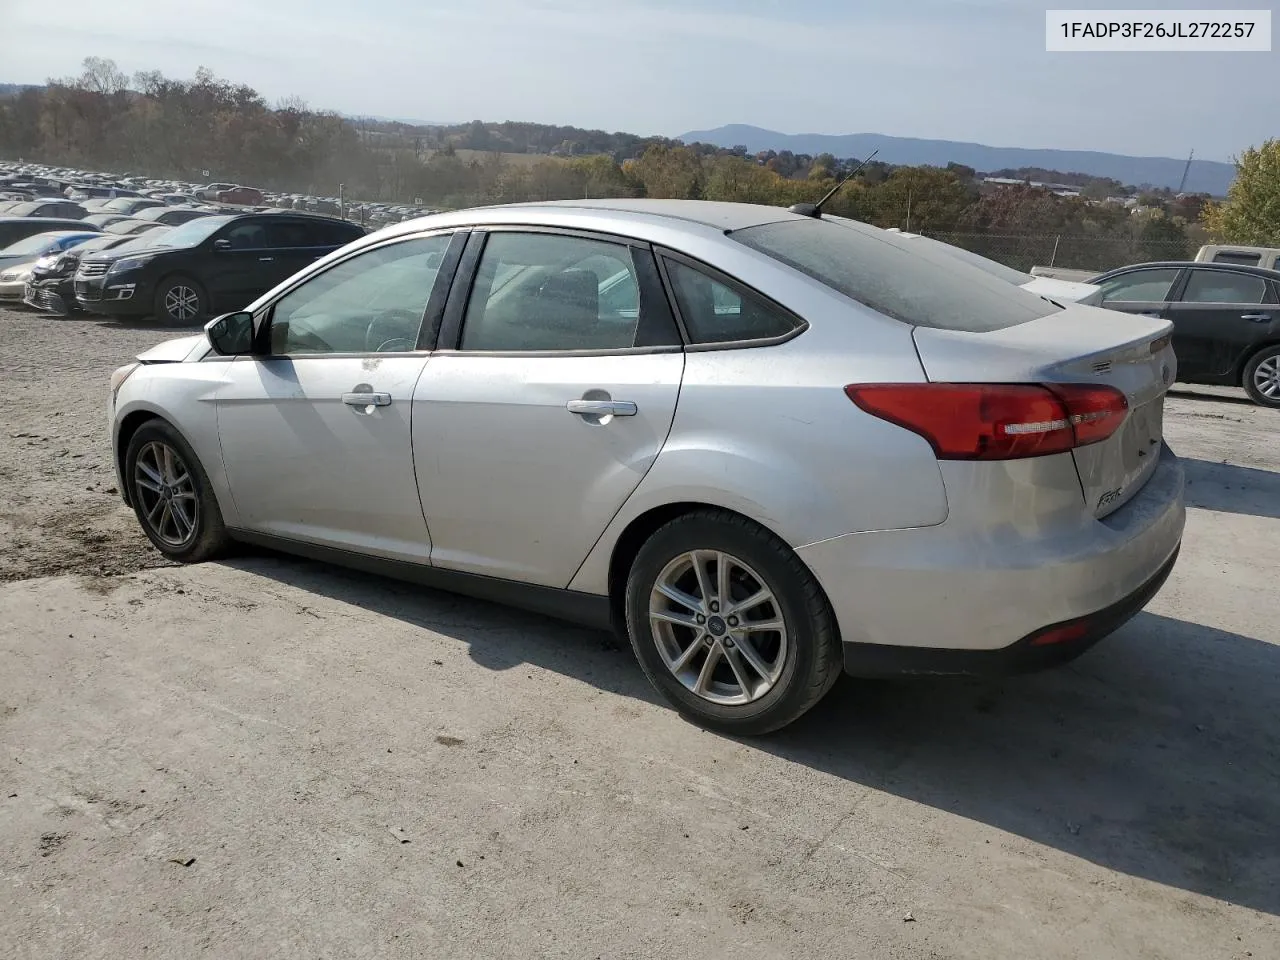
[1198,265]
[635,215]
[55,223]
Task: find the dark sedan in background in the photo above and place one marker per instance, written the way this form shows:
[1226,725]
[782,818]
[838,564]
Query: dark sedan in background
[1226,319]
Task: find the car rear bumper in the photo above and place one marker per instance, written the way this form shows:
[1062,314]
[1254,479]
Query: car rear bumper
[933,600]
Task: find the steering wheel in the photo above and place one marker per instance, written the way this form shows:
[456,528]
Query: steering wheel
[390,337]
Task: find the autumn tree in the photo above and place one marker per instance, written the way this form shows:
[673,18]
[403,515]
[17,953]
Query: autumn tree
[1251,213]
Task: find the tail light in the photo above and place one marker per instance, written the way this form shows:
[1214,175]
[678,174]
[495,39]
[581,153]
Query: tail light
[997,421]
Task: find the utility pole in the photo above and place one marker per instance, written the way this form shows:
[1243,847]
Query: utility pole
[908,227]
[342,204]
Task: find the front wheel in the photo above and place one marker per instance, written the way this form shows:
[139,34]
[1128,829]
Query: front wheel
[171,495]
[180,302]
[1262,377]
[729,625]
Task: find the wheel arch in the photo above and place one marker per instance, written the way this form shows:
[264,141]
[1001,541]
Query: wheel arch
[634,535]
[1253,351]
[130,424]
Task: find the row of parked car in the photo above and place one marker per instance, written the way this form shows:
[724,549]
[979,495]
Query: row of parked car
[38,183]
[149,255]
[110,249]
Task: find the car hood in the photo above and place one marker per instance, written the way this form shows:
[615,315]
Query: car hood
[16,265]
[177,350]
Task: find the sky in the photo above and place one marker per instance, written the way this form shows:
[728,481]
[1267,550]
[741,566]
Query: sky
[971,70]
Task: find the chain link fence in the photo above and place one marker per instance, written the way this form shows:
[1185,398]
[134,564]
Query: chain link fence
[1024,251]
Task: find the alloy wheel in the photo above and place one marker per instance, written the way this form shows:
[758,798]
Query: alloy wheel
[718,627]
[181,303]
[167,494]
[1266,377]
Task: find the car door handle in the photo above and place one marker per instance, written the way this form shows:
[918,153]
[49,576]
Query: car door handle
[602,408]
[1256,317]
[367,399]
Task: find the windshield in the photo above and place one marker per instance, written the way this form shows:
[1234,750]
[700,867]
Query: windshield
[148,241]
[36,244]
[97,243]
[192,233]
[863,263]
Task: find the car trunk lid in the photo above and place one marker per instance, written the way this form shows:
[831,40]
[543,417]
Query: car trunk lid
[1078,344]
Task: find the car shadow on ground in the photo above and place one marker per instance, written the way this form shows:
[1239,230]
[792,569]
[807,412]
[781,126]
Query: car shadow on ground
[1238,398]
[1230,488]
[1157,754]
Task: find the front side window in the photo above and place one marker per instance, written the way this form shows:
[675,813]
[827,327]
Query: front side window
[714,312]
[288,233]
[542,291]
[1140,286]
[247,235]
[372,303]
[1218,286]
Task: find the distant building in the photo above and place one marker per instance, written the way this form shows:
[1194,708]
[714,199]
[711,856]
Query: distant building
[1057,189]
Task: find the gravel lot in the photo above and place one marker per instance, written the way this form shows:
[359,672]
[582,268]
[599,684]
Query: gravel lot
[271,758]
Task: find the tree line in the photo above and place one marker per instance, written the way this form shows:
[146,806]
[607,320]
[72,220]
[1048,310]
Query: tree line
[159,126]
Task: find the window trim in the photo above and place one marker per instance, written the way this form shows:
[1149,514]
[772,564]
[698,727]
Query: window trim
[733,283]
[265,315]
[450,338]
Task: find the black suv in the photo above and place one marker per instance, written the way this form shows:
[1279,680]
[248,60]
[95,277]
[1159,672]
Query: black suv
[212,265]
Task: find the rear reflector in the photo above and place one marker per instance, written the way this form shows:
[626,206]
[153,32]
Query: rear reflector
[996,421]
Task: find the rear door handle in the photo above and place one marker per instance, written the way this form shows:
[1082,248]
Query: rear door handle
[603,408]
[1256,317]
[367,399]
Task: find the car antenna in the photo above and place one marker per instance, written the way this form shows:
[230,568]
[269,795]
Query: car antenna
[815,209]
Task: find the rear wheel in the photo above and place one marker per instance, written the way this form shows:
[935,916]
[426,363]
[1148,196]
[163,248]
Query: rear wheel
[729,625]
[171,495]
[1262,377]
[180,302]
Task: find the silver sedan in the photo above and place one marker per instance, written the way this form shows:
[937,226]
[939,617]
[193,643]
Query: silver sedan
[766,446]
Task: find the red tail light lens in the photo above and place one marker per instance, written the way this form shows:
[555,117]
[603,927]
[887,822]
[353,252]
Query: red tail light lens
[996,421]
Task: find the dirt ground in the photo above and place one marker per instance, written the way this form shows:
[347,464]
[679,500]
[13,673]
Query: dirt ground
[272,758]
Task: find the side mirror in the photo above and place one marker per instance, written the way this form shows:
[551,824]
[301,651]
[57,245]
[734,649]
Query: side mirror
[231,334]
[222,244]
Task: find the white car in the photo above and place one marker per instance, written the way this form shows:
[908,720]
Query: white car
[1049,287]
[763,446]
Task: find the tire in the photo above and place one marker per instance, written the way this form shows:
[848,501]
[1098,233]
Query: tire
[788,671]
[190,528]
[180,302]
[1261,378]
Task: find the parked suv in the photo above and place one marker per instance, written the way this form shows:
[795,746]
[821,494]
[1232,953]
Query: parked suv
[207,266]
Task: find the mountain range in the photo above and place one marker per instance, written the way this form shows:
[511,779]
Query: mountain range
[1206,176]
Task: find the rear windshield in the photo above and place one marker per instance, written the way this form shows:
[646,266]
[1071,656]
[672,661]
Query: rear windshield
[861,262]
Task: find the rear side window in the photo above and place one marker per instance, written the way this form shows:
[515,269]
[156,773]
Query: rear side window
[714,312]
[1216,286]
[856,260]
